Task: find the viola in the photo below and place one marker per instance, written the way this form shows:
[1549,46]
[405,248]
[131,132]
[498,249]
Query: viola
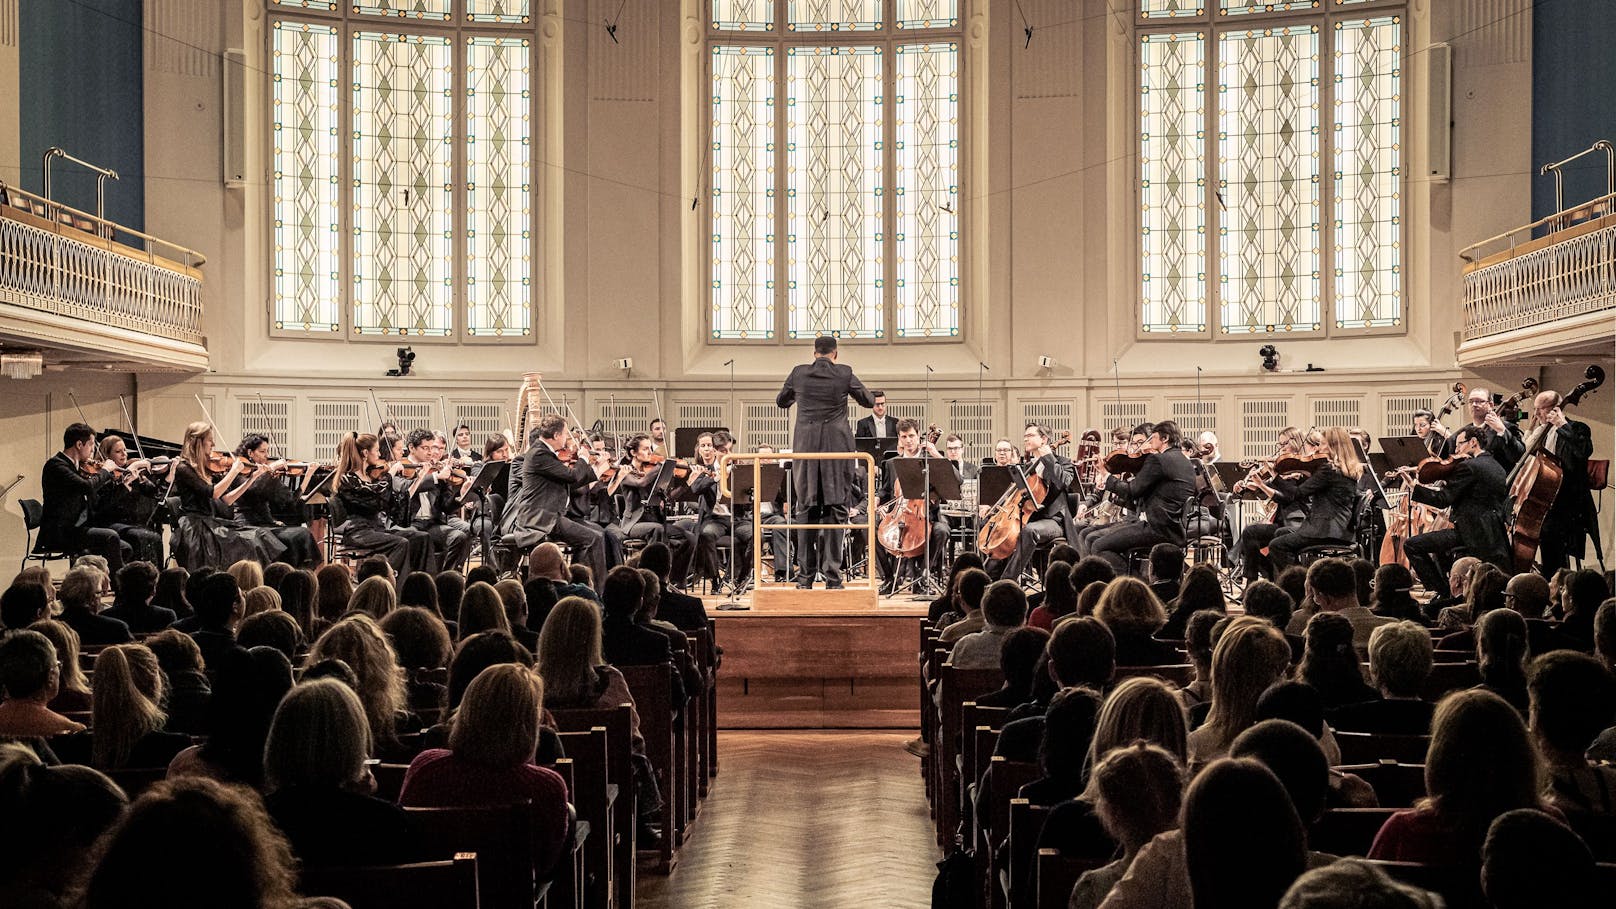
[220,463]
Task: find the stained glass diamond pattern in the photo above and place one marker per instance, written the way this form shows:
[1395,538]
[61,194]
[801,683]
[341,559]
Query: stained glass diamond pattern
[743,15]
[499,214]
[498,10]
[743,188]
[1368,172]
[834,15]
[927,190]
[1172,190]
[306,288]
[913,14]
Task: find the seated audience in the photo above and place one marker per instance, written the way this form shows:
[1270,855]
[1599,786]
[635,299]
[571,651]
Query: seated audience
[1300,705]
[1268,600]
[80,597]
[1199,590]
[247,686]
[451,586]
[1018,661]
[1573,698]
[1136,792]
[1004,609]
[1068,732]
[1250,656]
[1399,664]
[1166,570]
[682,610]
[1353,883]
[30,674]
[1330,662]
[54,817]
[319,789]
[128,717]
[260,599]
[132,604]
[1230,805]
[274,572]
[273,628]
[514,599]
[679,646]
[248,573]
[943,610]
[1198,641]
[219,607]
[358,641]
[1081,653]
[481,609]
[972,585]
[1293,581]
[22,604]
[482,574]
[1059,599]
[334,589]
[1133,614]
[73,695]
[1393,596]
[374,597]
[1585,590]
[624,641]
[375,567]
[1333,586]
[419,589]
[172,584]
[188,688]
[1501,653]
[1530,860]
[421,643]
[1484,594]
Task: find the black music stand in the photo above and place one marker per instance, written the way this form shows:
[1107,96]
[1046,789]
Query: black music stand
[934,480]
[1229,473]
[992,482]
[1404,451]
[879,449]
[490,473]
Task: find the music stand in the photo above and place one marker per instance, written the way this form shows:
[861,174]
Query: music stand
[487,475]
[1404,451]
[1229,473]
[992,482]
[931,479]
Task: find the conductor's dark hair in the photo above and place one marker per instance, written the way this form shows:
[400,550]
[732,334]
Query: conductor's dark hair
[1168,430]
[825,344]
[76,433]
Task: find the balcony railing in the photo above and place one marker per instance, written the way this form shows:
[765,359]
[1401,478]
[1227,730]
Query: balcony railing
[57,259]
[1516,280]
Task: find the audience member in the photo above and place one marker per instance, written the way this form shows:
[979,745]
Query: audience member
[514,599]
[358,641]
[451,587]
[1392,596]
[1399,664]
[1133,614]
[1353,883]
[171,587]
[1267,600]
[419,589]
[1018,662]
[218,605]
[1330,662]
[623,641]
[300,593]
[971,587]
[481,609]
[1166,570]
[1198,642]
[1528,594]
[1089,597]
[1484,593]
[1585,590]
[1363,576]
[248,574]
[80,597]
[22,604]
[1059,599]
[128,716]
[188,688]
[1501,653]
[132,604]
[334,589]
[54,817]
[194,582]
[375,567]
[1250,656]
[1333,586]
[30,675]
[684,611]
[275,572]
[247,686]
[260,599]
[73,693]
[1530,860]
[1293,581]
[1136,791]
[1004,609]
[273,628]
[374,597]
[1300,705]
[1200,589]
[1068,731]
[692,677]
[482,574]
[1573,698]
[478,652]
[422,646]
[1230,805]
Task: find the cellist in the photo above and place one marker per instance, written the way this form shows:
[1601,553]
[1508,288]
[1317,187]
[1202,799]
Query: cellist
[1052,519]
[909,446]
[1477,496]
[1565,528]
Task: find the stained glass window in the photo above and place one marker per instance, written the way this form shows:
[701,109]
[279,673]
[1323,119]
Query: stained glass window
[1242,7]
[1172,185]
[306,288]
[403,149]
[497,10]
[424,10]
[834,15]
[743,187]
[743,15]
[927,182]
[1171,9]
[928,13]
[1268,178]
[499,239]
[1368,170]
[307,4]
[834,191]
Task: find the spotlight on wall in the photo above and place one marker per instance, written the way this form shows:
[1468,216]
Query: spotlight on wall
[1046,362]
[406,360]
[625,363]
[1270,358]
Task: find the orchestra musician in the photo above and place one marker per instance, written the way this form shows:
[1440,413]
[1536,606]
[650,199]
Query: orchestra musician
[202,535]
[910,445]
[367,496]
[1052,519]
[639,517]
[877,425]
[659,436]
[485,507]
[463,453]
[1331,494]
[1256,537]
[536,512]
[431,502]
[1476,494]
[1160,491]
[592,503]
[266,496]
[68,486]
[1004,453]
[1088,523]
[774,515]
[954,450]
[1430,430]
[1498,437]
[125,503]
[820,390]
[1572,517]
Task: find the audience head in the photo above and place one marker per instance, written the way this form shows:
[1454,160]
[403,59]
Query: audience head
[374,597]
[1060,597]
[1232,804]
[497,724]
[218,603]
[81,588]
[478,652]
[1332,584]
[334,589]
[28,666]
[419,638]
[1089,569]
[127,702]
[137,583]
[374,567]
[514,599]
[192,843]
[1166,562]
[260,599]
[248,574]
[546,561]
[451,588]
[1198,639]
[1089,598]
[1130,609]
[1400,658]
[621,593]
[299,591]
[1363,574]
[361,643]
[482,574]
[23,604]
[1605,632]
[1267,600]
[1141,708]
[1294,756]
[481,609]
[1467,793]
[176,652]
[1329,659]
[1501,648]
[1018,657]
[1137,791]
[1068,732]
[247,686]
[1459,575]
[1294,702]
[569,648]
[1250,656]
[1486,591]
[172,584]
[419,589]
[1573,698]
[274,629]
[971,587]
[652,598]
[1352,883]
[1293,581]
[1082,651]
[1584,592]
[318,738]
[1529,860]
[657,558]
[1528,594]
[274,572]
[1060,551]
[1004,605]
[1200,589]
[1392,596]
[54,816]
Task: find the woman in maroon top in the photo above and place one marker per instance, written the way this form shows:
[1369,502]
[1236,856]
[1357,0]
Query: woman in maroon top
[489,760]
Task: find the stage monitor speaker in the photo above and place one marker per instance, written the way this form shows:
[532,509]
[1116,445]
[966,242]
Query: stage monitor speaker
[235,118]
[1439,105]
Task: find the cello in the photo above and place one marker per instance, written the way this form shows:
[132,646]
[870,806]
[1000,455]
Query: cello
[1001,529]
[904,523]
[1535,483]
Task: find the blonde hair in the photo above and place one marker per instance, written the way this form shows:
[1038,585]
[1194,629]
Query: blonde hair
[318,737]
[191,447]
[128,690]
[261,599]
[248,574]
[1343,451]
[569,649]
[375,597]
[482,609]
[360,642]
[1128,605]
[1250,656]
[40,575]
[514,597]
[1137,791]
[66,641]
[351,453]
[497,723]
[1142,708]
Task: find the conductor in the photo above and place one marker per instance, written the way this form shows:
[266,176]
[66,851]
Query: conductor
[820,390]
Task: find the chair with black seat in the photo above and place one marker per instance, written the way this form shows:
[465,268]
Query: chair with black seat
[1396,785]
[338,549]
[1347,548]
[33,512]
[450,884]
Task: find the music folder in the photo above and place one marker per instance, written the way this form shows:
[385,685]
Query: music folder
[489,473]
[993,481]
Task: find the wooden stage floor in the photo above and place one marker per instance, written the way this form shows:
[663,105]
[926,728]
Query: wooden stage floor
[819,660]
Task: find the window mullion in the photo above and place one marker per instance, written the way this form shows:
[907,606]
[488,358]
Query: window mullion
[782,185]
[1211,198]
[889,183]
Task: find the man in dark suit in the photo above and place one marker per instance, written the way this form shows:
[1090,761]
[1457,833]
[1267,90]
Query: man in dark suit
[820,390]
[1477,497]
[1498,437]
[1571,518]
[1160,490]
[1052,519]
[537,510]
[877,425]
[625,642]
[954,450]
[67,494]
[683,610]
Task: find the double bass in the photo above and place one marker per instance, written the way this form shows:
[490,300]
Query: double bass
[904,523]
[1001,529]
[1411,518]
[1535,482]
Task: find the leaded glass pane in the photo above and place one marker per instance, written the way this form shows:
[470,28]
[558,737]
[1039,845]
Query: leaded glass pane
[497,10]
[1171,9]
[1172,181]
[307,291]
[834,15]
[928,189]
[499,213]
[743,188]
[927,13]
[1268,174]
[307,4]
[403,136]
[1368,173]
[743,15]
[1242,7]
[425,10]
[834,191]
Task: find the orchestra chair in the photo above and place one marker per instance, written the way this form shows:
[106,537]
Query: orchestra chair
[1203,535]
[1348,548]
[338,549]
[1347,831]
[1396,785]
[33,512]
[1374,747]
[450,884]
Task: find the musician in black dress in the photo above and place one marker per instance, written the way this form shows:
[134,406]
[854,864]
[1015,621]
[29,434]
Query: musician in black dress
[1331,492]
[125,503]
[1498,437]
[267,498]
[638,517]
[67,490]
[1255,537]
[1476,494]
[366,495]
[1430,430]
[1571,519]
[206,533]
[1161,490]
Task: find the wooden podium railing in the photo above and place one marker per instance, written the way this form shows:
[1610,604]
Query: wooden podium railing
[757,460]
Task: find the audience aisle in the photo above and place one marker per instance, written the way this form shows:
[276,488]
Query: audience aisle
[802,820]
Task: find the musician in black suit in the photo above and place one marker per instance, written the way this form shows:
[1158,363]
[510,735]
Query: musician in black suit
[1160,491]
[1052,519]
[1571,518]
[820,390]
[954,450]
[1477,496]
[432,504]
[68,493]
[537,511]
[910,445]
[877,425]
[1498,437]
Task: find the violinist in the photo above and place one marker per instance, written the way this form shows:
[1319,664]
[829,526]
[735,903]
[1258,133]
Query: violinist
[1051,519]
[1159,491]
[205,483]
[462,453]
[1498,437]
[366,493]
[639,518]
[68,483]
[125,503]
[1572,517]
[592,503]
[910,445]
[484,508]
[1256,537]
[266,495]
[536,512]
[432,502]
[1476,493]
[1430,430]
[1100,508]
[387,442]
[1331,492]
[718,520]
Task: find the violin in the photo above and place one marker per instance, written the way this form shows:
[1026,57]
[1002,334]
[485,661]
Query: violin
[220,463]
[1125,461]
[1434,469]
[409,470]
[1292,465]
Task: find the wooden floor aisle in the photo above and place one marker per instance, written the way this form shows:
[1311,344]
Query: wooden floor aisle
[806,819]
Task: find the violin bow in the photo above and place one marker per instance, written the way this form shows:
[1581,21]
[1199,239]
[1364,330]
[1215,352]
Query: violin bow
[75,399]
[133,429]
[263,411]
